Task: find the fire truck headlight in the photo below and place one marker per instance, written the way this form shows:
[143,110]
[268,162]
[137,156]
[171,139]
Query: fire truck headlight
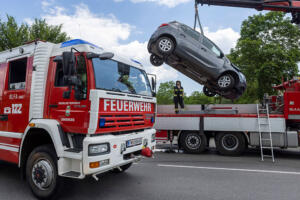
[98,149]
[153,137]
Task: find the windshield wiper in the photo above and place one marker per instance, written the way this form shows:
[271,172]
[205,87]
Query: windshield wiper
[116,90]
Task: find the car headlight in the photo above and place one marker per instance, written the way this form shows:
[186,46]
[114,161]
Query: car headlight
[98,149]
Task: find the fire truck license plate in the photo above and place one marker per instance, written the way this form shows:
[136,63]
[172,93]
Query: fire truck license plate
[134,142]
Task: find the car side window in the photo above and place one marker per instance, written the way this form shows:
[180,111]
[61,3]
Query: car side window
[191,32]
[211,46]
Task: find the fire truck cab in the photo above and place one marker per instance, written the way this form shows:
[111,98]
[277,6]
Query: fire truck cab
[72,110]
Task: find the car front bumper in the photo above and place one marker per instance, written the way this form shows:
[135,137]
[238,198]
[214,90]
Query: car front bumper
[117,156]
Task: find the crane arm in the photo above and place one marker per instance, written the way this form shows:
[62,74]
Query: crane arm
[291,6]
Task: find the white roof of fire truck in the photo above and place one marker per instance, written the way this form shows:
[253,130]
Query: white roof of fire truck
[57,49]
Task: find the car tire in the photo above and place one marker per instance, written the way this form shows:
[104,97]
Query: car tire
[208,92]
[225,82]
[193,142]
[165,45]
[233,144]
[41,173]
[123,168]
[156,60]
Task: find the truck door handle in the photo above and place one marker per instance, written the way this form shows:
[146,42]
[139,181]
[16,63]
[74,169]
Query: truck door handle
[182,35]
[53,106]
[203,49]
[3,117]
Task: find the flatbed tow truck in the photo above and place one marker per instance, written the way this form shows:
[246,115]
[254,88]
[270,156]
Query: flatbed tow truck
[275,123]
[234,127]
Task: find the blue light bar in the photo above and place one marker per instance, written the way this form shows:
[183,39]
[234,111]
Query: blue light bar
[77,42]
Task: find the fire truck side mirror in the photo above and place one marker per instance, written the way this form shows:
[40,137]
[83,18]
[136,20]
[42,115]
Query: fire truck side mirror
[68,62]
[153,82]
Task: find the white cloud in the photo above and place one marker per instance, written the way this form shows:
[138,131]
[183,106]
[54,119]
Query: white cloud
[105,31]
[168,3]
[225,38]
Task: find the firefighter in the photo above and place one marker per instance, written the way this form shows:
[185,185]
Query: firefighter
[178,96]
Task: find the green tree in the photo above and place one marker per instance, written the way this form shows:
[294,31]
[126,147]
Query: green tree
[41,30]
[165,93]
[267,50]
[13,35]
[198,98]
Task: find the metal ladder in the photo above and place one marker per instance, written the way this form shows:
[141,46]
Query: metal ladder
[263,119]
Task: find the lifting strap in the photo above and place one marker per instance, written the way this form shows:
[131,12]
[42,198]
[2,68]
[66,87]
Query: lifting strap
[197,18]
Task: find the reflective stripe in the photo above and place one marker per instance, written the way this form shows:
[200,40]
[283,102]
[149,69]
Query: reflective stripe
[9,148]
[11,145]
[11,134]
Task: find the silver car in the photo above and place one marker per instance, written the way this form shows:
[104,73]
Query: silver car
[194,55]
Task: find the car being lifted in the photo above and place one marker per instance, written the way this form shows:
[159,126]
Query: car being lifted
[197,57]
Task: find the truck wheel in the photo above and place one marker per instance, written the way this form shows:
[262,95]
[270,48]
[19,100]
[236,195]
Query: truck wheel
[230,143]
[193,142]
[41,172]
[123,167]
[156,61]
[165,45]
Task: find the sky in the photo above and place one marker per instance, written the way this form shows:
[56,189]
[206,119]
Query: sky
[125,26]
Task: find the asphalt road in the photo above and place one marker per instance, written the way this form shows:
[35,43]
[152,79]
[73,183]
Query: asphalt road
[180,176]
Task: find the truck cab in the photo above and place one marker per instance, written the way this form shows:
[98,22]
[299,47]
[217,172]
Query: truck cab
[73,109]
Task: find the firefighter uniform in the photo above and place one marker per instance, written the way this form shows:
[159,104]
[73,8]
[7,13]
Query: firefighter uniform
[178,98]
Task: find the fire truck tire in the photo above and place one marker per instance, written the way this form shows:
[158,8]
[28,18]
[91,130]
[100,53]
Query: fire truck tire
[41,173]
[193,142]
[123,168]
[232,144]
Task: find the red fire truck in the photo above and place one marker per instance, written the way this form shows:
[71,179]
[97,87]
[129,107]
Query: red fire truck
[72,110]
[275,123]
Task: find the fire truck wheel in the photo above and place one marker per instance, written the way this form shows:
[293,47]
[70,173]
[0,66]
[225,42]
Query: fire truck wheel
[193,142]
[230,143]
[123,168]
[41,172]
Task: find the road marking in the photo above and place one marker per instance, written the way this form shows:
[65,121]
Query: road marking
[231,169]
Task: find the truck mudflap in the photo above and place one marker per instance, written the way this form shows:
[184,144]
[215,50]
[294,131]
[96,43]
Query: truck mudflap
[123,149]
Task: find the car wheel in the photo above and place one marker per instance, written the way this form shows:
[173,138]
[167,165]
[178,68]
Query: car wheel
[155,60]
[193,142]
[230,143]
[225,82]
[41,172]
[208,92]
[165,45]
[123,168]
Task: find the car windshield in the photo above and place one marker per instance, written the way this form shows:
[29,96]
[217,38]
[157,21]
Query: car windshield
[119,77]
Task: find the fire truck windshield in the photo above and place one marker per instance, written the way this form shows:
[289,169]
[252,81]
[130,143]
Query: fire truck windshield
[119,77]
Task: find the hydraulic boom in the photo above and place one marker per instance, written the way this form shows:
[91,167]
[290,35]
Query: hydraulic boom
[289,6]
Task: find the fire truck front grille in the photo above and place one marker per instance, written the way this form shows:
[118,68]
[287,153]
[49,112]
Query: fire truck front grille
[119,122]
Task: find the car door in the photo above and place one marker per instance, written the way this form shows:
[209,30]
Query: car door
[213,56]
[72,113]
[189,42]
[16,95]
